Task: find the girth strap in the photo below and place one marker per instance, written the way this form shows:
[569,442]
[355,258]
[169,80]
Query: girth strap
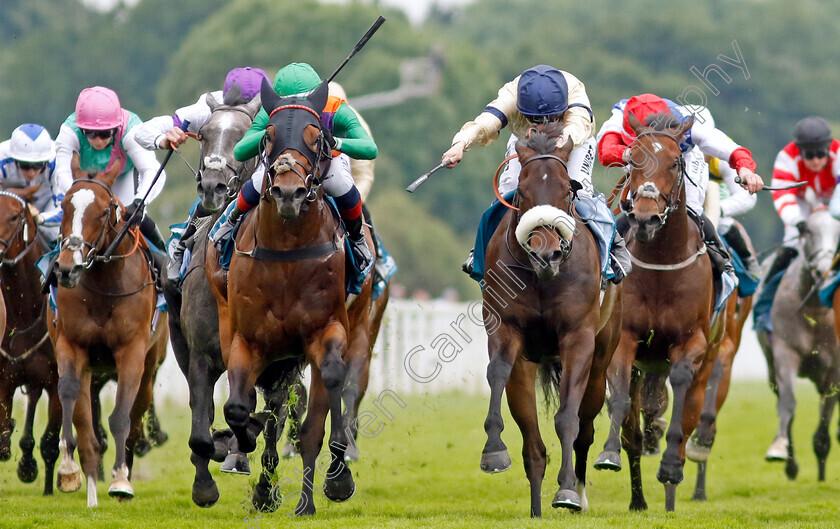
[296,254]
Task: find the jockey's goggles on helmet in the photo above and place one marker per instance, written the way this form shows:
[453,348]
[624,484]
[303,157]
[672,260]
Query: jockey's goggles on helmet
[539,120]
[102,134]
[28,166]
[817,153]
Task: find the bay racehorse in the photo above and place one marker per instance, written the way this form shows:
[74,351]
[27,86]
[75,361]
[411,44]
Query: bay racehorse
[193,316]
[544,309]
[671,291]
[103,322]
[803,341]
[699,446]
[26,353]
[283,302]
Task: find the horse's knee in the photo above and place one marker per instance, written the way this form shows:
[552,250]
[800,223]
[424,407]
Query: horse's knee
[69,388]
[498,369]
[681,375]
[119,423]
[333,371]
[822,443]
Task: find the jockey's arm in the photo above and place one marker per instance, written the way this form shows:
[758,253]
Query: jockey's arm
[785,171]
[147,166]
[66,143]
[739,200]
[611,144]
[249,145]
[351,137]
[163,131]
[716,143]
[577,122]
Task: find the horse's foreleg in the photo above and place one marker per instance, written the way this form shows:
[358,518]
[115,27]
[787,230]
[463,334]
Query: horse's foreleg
[130,363]
[242,375]
[631,439]
[263,499]
[358,366]
[99,430]
[49,441]
[201,379]
[311,439]
[296,411]
[619,374]
[27,469]
[505,346]
[700,445]
[654,405]
[7,423]
[787,363]
[88,445]
[522,400]
[822,439]
[71,362]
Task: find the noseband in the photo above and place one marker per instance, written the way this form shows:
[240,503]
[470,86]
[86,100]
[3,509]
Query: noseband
[75,242]
[22,226]
[235,175]
[649,189]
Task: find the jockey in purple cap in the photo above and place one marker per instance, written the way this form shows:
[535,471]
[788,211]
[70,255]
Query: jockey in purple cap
[165,132]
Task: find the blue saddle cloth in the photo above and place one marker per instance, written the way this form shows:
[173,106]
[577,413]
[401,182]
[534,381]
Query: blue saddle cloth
[599,220]
[747,283]
[827,291]
[353,277]
[761,309]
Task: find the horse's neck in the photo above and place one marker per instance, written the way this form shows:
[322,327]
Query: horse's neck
[804,279]
[678,232]
[22,287]
[313,226]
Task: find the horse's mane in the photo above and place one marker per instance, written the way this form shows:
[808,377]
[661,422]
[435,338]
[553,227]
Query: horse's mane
[545,141]
[663,121]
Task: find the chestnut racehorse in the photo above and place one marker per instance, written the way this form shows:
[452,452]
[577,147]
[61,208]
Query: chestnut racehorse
[671,291]
[103,323]
[544,309]
[283,302]
[26,354]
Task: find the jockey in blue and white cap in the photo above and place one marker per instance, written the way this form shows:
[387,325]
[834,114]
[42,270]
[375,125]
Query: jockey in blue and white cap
[163,132]
[28,159]
[543,94]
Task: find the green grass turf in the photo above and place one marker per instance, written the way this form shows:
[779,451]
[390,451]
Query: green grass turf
[421,470]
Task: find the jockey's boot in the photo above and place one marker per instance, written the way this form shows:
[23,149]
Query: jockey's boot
[467,267]
[358,246]
[220,233]
[736,240]
[151,232]
[620,259]
[783,258]
[721,262]
[176,260]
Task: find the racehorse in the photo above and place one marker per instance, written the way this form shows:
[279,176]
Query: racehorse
[672,293]
[102,322]
[700,444]
[544,308]
[803,341]
[283,301]
[26,354]
[193,316]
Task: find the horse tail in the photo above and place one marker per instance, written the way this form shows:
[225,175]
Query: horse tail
[550,373]
[279,378]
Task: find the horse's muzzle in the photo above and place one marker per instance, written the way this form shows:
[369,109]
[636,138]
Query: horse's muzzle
[212,194]
[289,200]
[68,276]
[645,226]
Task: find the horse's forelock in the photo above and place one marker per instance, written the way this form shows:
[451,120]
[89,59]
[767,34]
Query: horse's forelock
[663,121]
[545,141]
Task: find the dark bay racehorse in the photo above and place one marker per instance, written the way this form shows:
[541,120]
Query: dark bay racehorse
[671,291]
[283,303]
[193,316]
[699,447]
[543,309]
[803,341]
[103,323]
[26,354]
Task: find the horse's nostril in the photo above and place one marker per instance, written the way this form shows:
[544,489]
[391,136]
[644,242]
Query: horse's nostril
[276,193]
[300,193]
[221,188]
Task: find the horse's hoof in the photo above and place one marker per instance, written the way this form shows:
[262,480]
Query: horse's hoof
[304,508]
[236,463]
[159,438]
[351,454]
[608,461]
[263,500]
[121,489]
[289,451]
[142,447]
[495,462]
[638,506]
[205,494]
[567,499]
[778,451]
[699,495]
[5,453]
[27,469]
[670,475]
[69,482]
[697,452]
[791,468]
[340,489]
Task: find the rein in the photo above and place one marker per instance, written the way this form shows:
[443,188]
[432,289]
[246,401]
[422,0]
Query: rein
[235,172]
[22,226]
[671,199]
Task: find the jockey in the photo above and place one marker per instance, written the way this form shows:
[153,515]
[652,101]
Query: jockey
[616,136]
[165,132]
[811,157]
[102,133]
[541,95]
[362,170]
[351,141]
[27,159]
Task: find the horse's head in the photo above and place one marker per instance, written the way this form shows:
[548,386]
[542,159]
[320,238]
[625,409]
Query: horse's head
[820,241]
[219,175]
[90,213]
[656,185]
[545,227]
[296,151]
[17,227]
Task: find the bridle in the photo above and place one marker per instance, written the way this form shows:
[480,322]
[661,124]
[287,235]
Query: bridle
[22,226]
[234,178]
[649,190]
[75,243]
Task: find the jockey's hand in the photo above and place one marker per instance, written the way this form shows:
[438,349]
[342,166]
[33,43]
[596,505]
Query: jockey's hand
[750,181]
[625,156]
[34,212]
[454,154]
[331,142]
[802,226]
[174,138]
[131,208]
[562,139]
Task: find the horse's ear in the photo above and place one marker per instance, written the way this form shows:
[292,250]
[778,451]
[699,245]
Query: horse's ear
[268,97]
[684,127]
[211,101]
[109,175]
[76,167]
[318,97]
[635,124]
[566,149]
[253,106]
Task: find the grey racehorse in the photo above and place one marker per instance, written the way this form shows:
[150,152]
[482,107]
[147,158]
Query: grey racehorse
[802,342]
[194,319]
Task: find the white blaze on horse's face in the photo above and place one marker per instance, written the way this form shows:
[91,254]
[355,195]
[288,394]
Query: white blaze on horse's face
[81,200]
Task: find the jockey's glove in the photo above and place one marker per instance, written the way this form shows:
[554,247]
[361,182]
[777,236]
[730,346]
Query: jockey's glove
[131,208]
[329,138]
[802,226]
